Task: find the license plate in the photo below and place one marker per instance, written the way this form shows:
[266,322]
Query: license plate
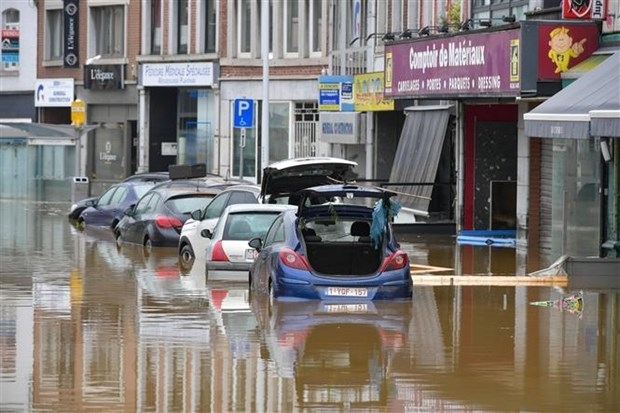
[249,254]
[347,292]
[346,308]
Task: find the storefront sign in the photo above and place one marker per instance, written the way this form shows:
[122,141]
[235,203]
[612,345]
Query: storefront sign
[71,34]
[177,74]
[339,127]
[368,93]
[336,93]
[104,77]
[550,48]
[10,49]
[53,92]
[584,9]
[476,64]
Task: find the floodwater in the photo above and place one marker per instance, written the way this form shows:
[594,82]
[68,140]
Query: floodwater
[85,326]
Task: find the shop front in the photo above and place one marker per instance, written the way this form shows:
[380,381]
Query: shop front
[578,128]
[178,106]
[462,131]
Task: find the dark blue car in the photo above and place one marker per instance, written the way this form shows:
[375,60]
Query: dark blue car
[343,249]
[109,208]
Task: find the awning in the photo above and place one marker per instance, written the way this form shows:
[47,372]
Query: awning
[44,133]
[417,156]
[567,113]
[605,122]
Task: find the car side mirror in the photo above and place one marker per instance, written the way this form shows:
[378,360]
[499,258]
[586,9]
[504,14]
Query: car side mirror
[129,210]
[206,233]
[256,243]
[196,215]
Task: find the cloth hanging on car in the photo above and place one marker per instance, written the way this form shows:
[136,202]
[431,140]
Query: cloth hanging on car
[383,212]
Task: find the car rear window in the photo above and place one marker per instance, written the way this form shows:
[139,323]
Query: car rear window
[245,226]
[187,204]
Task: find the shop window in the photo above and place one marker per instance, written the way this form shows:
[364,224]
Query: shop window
[195,119]
[108,36]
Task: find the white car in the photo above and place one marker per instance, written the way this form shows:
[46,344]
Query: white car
[228,256]
[279,181]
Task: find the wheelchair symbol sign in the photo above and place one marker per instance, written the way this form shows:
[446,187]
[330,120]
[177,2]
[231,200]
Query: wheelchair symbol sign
[243,113]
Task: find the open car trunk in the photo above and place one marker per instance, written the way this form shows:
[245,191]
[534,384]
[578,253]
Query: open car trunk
[343,258]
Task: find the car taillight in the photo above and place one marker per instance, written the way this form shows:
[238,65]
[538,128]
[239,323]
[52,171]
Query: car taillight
[291,259]
[395,261]
[163,221]
[218,253]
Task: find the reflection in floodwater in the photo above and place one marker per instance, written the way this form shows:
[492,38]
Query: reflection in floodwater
[87,326]
[572,304]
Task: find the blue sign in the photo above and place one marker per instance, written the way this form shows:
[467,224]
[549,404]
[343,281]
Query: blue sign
[243,116]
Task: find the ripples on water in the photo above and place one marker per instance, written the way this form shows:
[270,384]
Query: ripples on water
[86,326]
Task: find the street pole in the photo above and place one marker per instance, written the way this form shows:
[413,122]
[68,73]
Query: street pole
[265,110]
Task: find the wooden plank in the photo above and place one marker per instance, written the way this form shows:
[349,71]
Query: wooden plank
[489,280]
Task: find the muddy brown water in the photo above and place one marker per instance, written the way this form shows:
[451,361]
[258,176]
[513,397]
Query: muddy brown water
[86,326]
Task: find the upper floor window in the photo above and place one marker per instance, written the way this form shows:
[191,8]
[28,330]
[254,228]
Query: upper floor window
[244,27]
[181,26]
[315,26]
[53,34]
[10,40]
[156,26]
[291,28]
[108,34]
[209,13]
[296,25]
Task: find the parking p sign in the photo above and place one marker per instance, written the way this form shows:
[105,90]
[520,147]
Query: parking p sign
[243,116]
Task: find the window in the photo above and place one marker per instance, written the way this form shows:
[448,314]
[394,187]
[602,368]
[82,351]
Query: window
[53,34]
[106,198]
[10,40]
[182,30]
[142,205]
[119,196]
[315,26]
[215,208]
[109,31]
[209,9]
[244,27]
[291,28]
[156,32]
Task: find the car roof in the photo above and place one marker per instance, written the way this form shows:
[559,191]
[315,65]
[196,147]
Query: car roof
[240,187]
[169,192]
[236,208]
[148,176]
[291,175]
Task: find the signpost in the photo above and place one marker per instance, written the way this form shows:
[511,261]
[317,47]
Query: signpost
[243,117]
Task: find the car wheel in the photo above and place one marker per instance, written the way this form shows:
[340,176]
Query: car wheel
[148,246]
[114,223]
[80,224]
[186,257]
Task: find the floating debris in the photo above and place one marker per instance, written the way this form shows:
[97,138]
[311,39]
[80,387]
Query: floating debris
[572,303]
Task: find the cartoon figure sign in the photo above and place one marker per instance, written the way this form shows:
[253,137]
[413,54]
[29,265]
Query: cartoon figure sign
[562,46]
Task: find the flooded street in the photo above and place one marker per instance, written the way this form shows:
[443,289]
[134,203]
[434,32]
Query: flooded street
[86,326]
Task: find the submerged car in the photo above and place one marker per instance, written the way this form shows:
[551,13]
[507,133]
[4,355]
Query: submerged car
[280,180]
[79,206]
[192,241]
[108,209]
[227,254]
[336,250]
[157,218]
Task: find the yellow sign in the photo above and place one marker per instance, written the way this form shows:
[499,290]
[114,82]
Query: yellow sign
[78,112]
[368,93]
[514,60]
